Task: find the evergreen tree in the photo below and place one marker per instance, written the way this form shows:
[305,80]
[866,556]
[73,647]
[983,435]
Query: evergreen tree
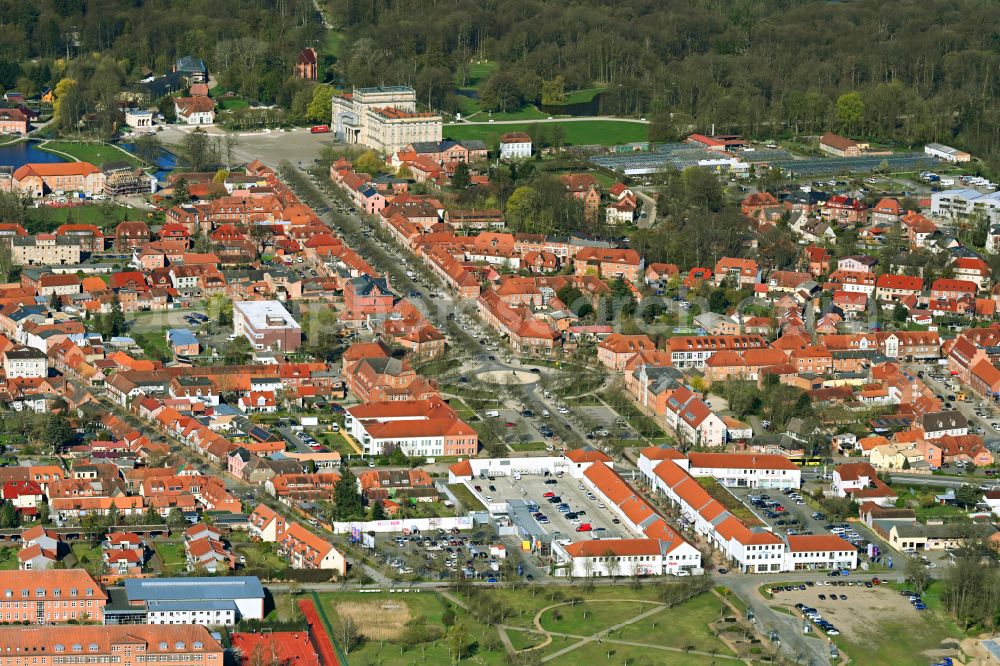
[116,322]
[461,180]
[347,501]
[181,191]
[57,432]
[8,515]
[378,511]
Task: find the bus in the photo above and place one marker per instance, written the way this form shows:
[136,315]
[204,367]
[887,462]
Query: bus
[319,129]
[808,461]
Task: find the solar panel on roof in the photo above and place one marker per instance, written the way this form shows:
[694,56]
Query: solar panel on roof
[259,433]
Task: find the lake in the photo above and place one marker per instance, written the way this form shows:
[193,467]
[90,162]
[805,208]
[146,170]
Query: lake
[166,163]
[24,152]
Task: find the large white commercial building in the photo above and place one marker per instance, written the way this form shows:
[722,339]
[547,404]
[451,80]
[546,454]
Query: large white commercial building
[947,153]
[209,601]
[746,471]
[652,548]
[384,118]
[753,549]
[965,203]
[266,324]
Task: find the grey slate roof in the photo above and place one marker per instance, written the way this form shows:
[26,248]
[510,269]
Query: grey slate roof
[194,589]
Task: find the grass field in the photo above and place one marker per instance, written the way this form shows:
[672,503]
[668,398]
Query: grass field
[477,74]
[528,446]
[728,500]
[381,617]
[582,96]
[172,555]
[584,132]
[86,553]
[465,496]
[334,42]
[105,215]
[8,559]
[335,441]
[581,619]
[689,628]
[527,112]
[608,653]
[524,606]
[95,153]
[154,343]
[262,556]
[234,104]
[402,629]
[522,640]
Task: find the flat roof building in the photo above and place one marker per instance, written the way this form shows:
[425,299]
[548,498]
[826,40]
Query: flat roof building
[266,324]
[209,601]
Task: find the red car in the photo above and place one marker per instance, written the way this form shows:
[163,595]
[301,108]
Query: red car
[584,527]
[549,494]
[510,425]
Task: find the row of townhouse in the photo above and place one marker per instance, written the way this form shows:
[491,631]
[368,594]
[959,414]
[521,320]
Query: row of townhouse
[753,549]
[302,548]
[656,549]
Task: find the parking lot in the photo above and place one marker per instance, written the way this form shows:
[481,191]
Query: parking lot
[520,428]
[780,520]
[578,511]
[441,554]
[846,606]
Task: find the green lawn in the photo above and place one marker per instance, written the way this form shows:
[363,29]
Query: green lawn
[686,628]
[522,640]
[172,555]
[336,441]
[234,104]
[728,500]
[154,344]
[104,215]
[528,446]
[582,96]
[586,618]
[262,556]
[95,153]
[8,559]
[584,132]
[465,496]
[284,609]
[334,41]
[524,604]
[608,653]
[528,112]
[478,73]
[86,553]
[425,611]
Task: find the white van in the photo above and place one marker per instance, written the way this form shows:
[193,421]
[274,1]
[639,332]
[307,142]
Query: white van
[493,414]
